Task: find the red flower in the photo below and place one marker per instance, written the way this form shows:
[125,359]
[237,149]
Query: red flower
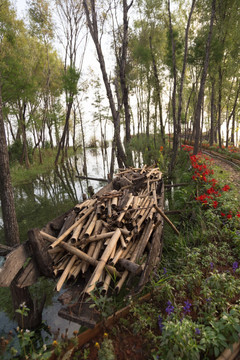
[238,215]
[229,216]
[223,214]
[215,204]
[226,188]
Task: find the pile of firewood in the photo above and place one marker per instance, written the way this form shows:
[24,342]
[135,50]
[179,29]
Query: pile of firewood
[114,234]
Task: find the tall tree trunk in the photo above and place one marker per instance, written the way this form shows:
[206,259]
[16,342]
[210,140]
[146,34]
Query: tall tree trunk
[203,80]
[6,191]
[212,113]
[175,129]
[62,142]
[122,70]
[219,107]
[158,91]
[93,27]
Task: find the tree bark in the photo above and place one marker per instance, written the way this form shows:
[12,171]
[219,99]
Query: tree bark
[6,191]
[203,80]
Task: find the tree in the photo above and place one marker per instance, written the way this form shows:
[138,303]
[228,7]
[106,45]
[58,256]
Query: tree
[203,79]
[91,16]
[6,191]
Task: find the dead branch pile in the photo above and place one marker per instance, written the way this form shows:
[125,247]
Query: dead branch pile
[115,234]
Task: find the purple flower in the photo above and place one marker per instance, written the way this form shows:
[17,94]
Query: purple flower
[170,308]
[187,306]
[160,324]
[235,266]
[164,271]
[197,331]
[211,265]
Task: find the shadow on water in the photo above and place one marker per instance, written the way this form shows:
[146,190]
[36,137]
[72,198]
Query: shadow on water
[38,202]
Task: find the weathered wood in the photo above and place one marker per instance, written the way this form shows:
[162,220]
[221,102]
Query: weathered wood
[40,252]
[29,275]
[13,264]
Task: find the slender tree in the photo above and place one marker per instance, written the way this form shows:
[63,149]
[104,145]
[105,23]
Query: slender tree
[203,80]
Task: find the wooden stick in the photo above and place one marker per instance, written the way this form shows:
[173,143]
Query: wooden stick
[65,272]
[79,253]
[166,218]
[121,216]
[68,231]
[124,245]
[91,226]
[106,283]
[109,207]
[102,262]
[76,233]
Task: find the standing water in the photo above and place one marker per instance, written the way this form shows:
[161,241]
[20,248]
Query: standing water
[38,202]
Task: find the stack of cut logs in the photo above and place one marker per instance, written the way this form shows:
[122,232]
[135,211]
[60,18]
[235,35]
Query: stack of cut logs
[114,234]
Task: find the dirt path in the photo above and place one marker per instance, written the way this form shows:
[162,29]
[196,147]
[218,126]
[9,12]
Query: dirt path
[234,174]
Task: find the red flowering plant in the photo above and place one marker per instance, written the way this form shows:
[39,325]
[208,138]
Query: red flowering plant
[213,195]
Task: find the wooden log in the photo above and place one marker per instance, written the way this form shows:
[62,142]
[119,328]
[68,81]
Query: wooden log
[166,218]
[132,267]
[68,231]
[102,262]
[79,253]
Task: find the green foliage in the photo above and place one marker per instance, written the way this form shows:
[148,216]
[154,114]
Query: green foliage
[30,343]
[70,82]
[106,351]
[15,151]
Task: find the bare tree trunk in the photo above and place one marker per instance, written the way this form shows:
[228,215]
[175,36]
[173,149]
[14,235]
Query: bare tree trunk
[212,113]
[203,80]
[175,130]
[122,70]
[91,16]
[233,111]
[6,191]
[157,86]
